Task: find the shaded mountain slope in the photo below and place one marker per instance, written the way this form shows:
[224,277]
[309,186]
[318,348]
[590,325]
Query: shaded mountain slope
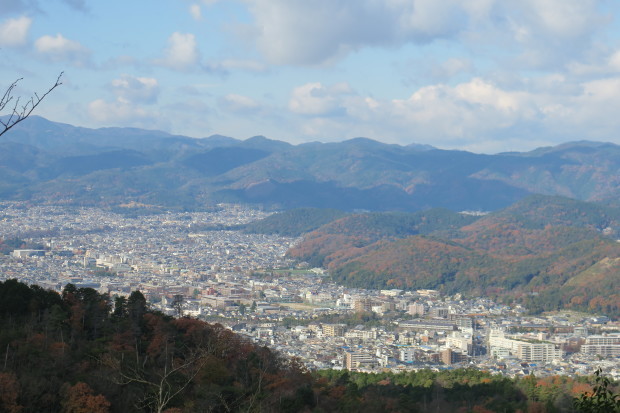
[357,174]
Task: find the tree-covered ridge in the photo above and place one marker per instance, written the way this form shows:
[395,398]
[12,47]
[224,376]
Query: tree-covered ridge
[539,211]
[76,352]
[62,353]
[549,252]
[294,222]
[346,237]
[379,225]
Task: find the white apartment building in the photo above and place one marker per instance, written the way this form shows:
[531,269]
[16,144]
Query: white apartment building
[463,342]
[361,334]
[407,355]
[603,345]
[539,351]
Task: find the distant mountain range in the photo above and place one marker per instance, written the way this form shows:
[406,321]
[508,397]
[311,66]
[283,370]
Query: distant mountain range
[53,162]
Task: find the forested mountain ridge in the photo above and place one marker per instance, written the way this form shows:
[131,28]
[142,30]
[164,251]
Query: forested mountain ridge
[294,222]
[76,352]
[52,162]
[548,252]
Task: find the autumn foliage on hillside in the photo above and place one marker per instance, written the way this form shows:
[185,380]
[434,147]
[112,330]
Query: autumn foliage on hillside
[547,252]
[76,352]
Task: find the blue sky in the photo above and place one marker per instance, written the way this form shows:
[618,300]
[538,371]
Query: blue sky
[480,75]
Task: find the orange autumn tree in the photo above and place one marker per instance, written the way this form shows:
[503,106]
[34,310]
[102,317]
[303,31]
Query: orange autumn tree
[81,398]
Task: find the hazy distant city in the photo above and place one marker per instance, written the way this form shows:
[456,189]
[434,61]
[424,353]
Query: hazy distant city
[186,265]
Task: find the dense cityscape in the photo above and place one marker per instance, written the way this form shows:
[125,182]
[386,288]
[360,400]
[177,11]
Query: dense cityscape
[200,264]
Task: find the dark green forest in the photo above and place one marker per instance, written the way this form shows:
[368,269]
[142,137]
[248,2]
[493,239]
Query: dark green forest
[294,222]
[81,351]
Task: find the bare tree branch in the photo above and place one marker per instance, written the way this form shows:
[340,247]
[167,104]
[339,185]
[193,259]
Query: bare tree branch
[20,112]
[161,386]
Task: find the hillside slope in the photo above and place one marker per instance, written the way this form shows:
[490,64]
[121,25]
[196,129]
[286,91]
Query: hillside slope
[549,252]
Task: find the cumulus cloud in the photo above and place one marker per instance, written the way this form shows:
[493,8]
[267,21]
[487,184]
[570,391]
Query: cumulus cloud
[466,111]
[60,49]
[318,100]
[443,115]
[300,32]
[591,113]
[136,89]
[14,32]
[475,115]
[128,108]
[181,53]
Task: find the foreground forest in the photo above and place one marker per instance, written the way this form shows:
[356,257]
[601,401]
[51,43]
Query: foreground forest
[79,352]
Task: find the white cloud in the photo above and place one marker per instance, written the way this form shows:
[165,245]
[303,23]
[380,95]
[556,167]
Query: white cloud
[239,104]
[318,100]
[601,65]
[58,48]
[565,19]
[466,111]
[181,53]
[14,32]
[614,61]
[195,11]
[474,115]
[303,32]
[540,33]
[592,114]
[442,115]
[551,33]
[136,89]
[123,113]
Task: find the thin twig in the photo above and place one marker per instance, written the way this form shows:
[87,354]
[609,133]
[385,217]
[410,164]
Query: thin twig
[20,113]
